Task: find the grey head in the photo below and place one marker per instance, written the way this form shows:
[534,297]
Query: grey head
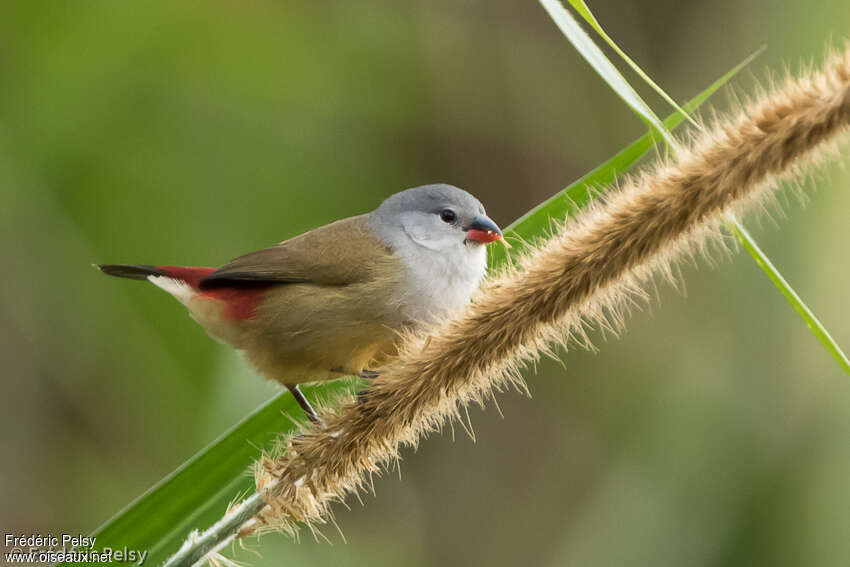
[436,217]
[438,232]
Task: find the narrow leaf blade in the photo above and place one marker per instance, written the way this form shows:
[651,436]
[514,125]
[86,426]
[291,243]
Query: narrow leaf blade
[588,16]
[812,322]
[609,73]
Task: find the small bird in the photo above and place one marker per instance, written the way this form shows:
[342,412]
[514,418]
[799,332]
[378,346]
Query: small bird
[331,302]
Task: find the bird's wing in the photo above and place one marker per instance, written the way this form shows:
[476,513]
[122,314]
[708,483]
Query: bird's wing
[340,253]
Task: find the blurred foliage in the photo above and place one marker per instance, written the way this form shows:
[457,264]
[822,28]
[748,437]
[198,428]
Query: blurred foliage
[716,431]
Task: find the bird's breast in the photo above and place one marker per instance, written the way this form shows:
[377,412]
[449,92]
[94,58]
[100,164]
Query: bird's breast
[440,283]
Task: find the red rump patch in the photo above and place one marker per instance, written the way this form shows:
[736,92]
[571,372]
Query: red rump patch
[240,303]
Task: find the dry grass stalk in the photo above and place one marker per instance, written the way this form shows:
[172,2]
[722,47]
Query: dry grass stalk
[587,272]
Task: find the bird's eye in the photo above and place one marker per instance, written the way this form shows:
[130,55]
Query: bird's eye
[447,215]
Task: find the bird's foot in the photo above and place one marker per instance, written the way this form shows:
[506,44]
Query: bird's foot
[361,397]
[366,374]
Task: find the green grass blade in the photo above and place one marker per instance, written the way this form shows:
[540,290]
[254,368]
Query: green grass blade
[588,16]
[812,322]
[197,493]
[597,59]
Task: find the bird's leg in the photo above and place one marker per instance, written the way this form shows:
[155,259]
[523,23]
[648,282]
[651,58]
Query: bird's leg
[302,401]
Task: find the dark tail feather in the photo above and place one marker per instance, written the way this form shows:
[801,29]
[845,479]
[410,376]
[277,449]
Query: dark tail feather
[132,271]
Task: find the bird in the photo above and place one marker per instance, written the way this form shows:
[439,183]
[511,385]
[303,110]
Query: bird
[335,300]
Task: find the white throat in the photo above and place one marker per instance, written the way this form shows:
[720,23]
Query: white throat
[441,282]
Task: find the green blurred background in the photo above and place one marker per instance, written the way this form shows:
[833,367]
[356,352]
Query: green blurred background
[715,432]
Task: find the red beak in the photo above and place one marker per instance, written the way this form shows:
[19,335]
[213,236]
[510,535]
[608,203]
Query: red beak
[483,229]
